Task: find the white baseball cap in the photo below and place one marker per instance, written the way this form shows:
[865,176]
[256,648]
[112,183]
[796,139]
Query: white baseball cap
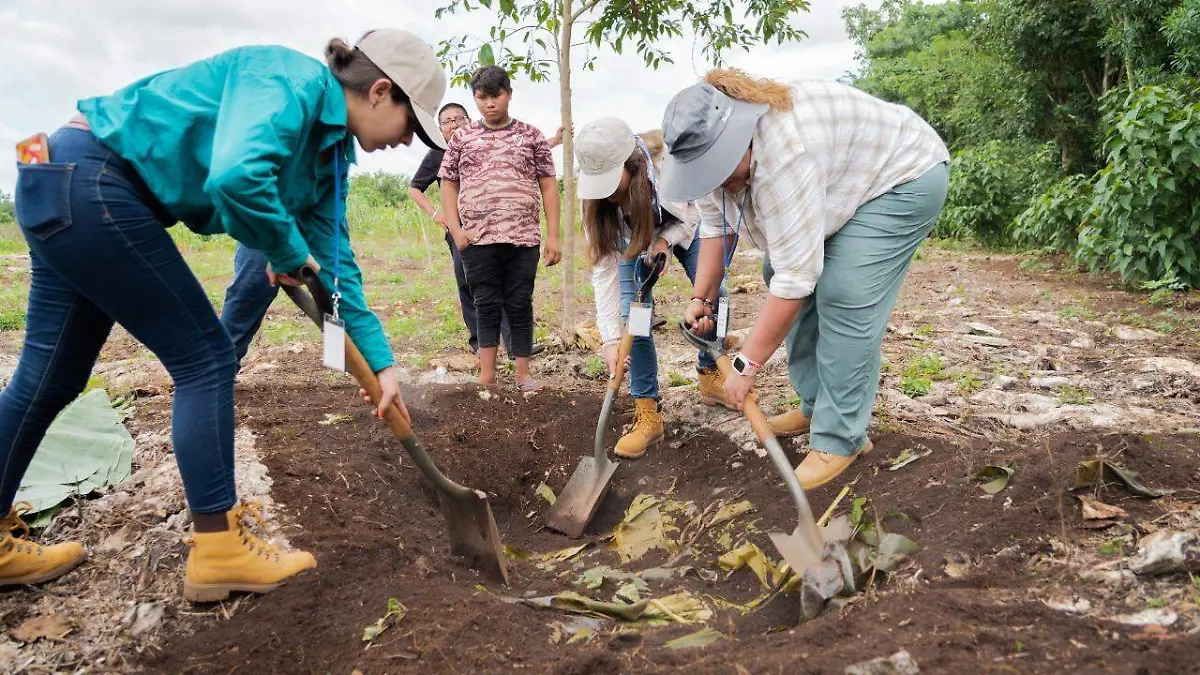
[411,63]
[601,148]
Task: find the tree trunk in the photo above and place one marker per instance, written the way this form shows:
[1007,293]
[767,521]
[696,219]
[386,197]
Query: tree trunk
[568,146]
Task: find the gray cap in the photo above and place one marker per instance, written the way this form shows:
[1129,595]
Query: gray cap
[707,133]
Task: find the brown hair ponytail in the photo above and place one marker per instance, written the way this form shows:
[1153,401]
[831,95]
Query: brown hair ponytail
[355,71]
[739,84]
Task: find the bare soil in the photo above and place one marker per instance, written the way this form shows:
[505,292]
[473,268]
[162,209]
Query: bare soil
[377,533]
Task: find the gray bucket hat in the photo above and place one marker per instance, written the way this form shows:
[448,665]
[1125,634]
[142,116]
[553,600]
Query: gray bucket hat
[707,133]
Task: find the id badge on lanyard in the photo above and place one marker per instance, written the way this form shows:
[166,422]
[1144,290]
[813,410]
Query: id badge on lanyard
[333,329]
[723,306]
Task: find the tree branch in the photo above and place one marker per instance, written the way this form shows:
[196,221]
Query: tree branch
[584,9]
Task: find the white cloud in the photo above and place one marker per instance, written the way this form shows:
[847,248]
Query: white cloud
[58,52]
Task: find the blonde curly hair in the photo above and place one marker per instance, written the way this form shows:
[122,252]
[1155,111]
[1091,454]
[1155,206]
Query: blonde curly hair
[739,84]
[654,143]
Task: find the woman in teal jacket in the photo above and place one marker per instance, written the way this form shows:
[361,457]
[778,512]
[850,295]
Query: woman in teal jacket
[255,143]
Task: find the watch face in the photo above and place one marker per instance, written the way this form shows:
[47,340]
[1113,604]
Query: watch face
[739,365]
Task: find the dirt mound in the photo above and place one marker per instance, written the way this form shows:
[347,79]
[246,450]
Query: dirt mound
[377,533]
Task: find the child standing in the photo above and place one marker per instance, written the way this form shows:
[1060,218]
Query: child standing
[493,174]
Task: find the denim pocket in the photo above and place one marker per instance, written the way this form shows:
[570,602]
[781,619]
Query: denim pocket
[44,198]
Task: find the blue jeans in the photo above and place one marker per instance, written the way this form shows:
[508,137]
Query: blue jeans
[643,359]
[100,253]
[247,298]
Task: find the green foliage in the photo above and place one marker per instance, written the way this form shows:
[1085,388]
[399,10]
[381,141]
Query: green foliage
[1182,31]
[990,185]
[918,375]
[1147,200]
[594,367]
[524,37]
[1054,219]
[930,58]
[676,379]
[8,209]
[969,382]
[1072,395]
[379,189]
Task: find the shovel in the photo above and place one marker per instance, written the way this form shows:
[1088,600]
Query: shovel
[577,504]
[820,557]
[472,528]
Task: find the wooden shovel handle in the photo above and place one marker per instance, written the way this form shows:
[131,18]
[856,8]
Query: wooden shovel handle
[623,350]
[357,365]
[758,421]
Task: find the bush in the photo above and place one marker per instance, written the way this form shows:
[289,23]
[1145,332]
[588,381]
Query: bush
[1053,220]
[7,209]
[1146,209]
[990,185]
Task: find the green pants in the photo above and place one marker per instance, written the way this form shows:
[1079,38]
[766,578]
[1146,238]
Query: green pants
[835,347]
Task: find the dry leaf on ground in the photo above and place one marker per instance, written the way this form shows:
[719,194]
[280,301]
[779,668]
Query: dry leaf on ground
[49,626]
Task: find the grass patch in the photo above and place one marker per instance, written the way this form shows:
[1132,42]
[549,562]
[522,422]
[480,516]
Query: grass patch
[919,374]
[969,382]
[676,379]
[1072,395]
[281,332]
[594,367]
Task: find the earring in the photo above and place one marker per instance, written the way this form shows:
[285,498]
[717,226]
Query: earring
[373,103]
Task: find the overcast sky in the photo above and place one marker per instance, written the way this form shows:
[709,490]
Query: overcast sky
[58,51]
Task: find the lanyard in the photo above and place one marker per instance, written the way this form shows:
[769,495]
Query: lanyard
[338,216]
[737,232]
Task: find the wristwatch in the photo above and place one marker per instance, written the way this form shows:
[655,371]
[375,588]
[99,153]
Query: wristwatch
[742,365]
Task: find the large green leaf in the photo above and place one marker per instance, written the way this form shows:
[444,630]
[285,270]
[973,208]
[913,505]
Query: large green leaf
[86,450]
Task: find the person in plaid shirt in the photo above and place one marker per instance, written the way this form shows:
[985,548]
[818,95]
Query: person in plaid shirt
[838,189]
[496,175]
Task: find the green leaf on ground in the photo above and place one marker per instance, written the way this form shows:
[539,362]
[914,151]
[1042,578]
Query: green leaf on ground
[907,457]
[1095,471]
[85,450]
[701,638]
[893,550]
[395,612]
[546,493]
[994,478]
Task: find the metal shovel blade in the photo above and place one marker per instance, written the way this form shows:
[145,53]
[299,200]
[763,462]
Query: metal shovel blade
[470,525]
[796,550]
[577,503]
[473,532]
[581,497]
[469,521]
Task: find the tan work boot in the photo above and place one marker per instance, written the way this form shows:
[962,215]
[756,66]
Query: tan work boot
[712,388]
[818,468]
[790,423]
[236,561]
[647,429]
[24,562]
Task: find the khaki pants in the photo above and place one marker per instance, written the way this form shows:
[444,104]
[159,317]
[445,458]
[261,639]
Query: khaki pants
[834,350]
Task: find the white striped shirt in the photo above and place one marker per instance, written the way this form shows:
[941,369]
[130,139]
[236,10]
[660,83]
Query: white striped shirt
[813,166]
